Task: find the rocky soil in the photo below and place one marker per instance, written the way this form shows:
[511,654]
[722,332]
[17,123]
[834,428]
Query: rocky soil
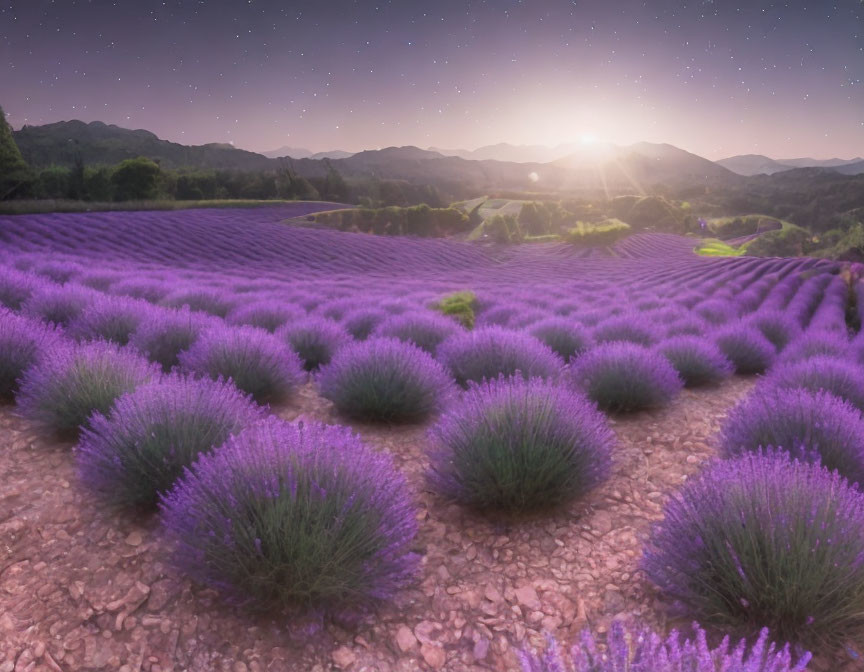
[84,587]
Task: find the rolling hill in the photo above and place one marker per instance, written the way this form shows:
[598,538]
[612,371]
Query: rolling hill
[758,164]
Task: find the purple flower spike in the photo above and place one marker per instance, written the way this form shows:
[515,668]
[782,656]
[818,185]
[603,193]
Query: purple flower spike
[765,539]
[294,514]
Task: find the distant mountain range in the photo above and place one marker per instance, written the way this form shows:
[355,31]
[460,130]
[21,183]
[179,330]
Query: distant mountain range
[757,164]
[630,169]
[301,153]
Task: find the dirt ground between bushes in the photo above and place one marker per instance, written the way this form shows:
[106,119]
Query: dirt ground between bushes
[86,588]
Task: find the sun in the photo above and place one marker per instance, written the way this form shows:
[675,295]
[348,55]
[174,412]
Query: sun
[588,139]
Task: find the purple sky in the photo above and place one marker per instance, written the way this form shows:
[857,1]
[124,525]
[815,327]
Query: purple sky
[715,77]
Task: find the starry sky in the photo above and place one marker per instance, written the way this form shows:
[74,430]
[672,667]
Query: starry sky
[715,77]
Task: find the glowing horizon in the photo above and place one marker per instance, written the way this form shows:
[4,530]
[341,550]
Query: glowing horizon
[742,78]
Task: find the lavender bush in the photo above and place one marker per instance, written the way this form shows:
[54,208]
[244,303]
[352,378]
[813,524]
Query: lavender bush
[745,346]
[697,361]
[385,380]
[518,445]
[489,352]
[837,376]
[362,322]
[23,342]
[426,330]
[564,337]
[167,332]
[315,339]
[294,514]
[202,300]
[638,649]
[776,326]
[631,328]
[624,377]
[810,425]
[813,344]
[71,382]
[267,315]
[258,363]
[58,304]
[154,432]
[110,318]
[765,540]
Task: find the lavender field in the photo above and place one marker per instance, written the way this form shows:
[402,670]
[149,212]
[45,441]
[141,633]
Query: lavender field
[231,443]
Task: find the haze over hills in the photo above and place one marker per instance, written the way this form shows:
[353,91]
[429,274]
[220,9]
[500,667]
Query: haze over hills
[302,153]
[758,164]
[583,166]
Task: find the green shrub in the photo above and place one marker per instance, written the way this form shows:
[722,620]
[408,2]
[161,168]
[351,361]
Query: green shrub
[607,232]
[460,306]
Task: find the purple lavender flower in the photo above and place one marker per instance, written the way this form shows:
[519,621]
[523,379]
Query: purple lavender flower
[362,322]
[777,326]
[564,337]
[385,380]
[267,315]
[765,539]
[624,377]
[71,382]
[426,330]
[631,328]
[831,374]
[168,332]
[23,342]
[638,649]
[315,339]
[110,318]
[206,301]
[810,425]
[294,514]
[519,445]
[490,352]
[258,363]
[745,346]
[697,361]
[151,434]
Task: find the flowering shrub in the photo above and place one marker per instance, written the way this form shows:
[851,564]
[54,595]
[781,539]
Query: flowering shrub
[70,382]
[202,300]
[715,311]
[426,330]
[625,377]
[110,318]
[294,514]
[520,445]
[166,333]
[58,304]
[384,380]
[810,425]
[745,346]
[151,434]
[812,344]
[315,339]
[764,539]
[776,326]
[22,343]
[362,322]
[564,337]
[697,361]
[258,363]
[836,376]
[267,315]
[146,290]
[642,650]
[632,328]
[15,288]
[490,352]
